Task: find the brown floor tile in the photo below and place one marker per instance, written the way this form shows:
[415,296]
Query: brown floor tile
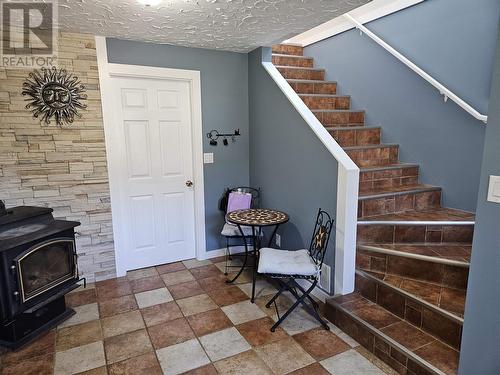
[122,323]
[321,344]
[376,316]
[407,335]
[96,371]
[227,296]
[205,271]
[244,363]
[204,370]
[41,365]
[41,346]
[78,335]
[143,364]
[119,348]
[170,333]
[441,356]
[81,298]
[117,305]
[113,289]
[112,281]
[208,322]
[184,290]
[314,369]
[258,332]
[161,313]
[146,283]
[214,283]
[171,267]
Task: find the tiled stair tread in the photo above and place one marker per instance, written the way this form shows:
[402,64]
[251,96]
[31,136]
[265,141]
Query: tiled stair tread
[295,80]
[356,127]
[387,191]
[294,56]
[451,251]
[386,167]
[325,95]
[431,214]
[338,110]
[299,68]
[449,299]
[406,335]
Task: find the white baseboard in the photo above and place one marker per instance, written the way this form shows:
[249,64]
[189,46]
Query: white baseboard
[317,292]
[221,252]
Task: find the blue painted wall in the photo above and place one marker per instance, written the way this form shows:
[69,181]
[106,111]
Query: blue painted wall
[224,100]
[480,352]
[295,171]
[454,41]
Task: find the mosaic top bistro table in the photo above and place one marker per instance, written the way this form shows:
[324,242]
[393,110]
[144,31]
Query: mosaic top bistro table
[256,218]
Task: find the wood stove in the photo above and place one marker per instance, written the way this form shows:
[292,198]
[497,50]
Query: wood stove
[38,266]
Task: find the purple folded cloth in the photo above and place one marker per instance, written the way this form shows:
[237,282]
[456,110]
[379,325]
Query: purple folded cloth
[239,201]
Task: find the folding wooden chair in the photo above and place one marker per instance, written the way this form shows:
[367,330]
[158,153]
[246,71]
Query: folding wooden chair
[289,266]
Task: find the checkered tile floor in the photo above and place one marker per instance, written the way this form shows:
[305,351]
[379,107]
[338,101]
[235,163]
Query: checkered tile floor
[183,318]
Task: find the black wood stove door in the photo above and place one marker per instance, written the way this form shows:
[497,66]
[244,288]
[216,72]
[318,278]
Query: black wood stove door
[45,266]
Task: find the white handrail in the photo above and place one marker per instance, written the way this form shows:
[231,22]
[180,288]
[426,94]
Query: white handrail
[438,85]
[347,189]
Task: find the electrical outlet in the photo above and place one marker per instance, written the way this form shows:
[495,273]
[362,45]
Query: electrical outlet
[324,280]
[277,240]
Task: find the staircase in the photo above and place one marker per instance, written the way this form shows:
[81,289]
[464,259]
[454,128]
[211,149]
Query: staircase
[413,255]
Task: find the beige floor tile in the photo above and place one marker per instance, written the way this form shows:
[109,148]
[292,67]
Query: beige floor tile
[127,346]
[122,323]
[78,335]
[350,362]
[243,312]
[177,277]
[143,272]
[223,344]
[262,288]
[284,356]
[84,313]
[153,297]
[243,364]
[182,357]
[193,263]
[196,304]
[298,321]
[96,371]
[79,359]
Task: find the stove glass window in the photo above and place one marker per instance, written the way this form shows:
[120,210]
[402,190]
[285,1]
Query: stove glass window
[46,266]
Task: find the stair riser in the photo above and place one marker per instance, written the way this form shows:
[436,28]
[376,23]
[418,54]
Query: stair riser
[383,155]
[315,102]
[375,344]
[290,73]
[431,234]
[399,203]
[421,270]
[293,61]
[288,50]
[411,310]
[341,118]
[388,178]
[314,88]
[357,137]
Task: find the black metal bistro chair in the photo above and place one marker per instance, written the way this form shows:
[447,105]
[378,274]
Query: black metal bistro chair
[230,231]
[289,266]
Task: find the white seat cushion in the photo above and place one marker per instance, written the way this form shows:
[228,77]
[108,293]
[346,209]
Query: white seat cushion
[230,230]
[285,262]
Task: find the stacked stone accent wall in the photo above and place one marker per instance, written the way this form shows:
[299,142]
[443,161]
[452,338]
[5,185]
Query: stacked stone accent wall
[64,167]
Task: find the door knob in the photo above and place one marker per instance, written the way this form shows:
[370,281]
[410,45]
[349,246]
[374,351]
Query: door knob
[189,183]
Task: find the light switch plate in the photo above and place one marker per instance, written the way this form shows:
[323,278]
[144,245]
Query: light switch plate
[208,157]
[494,189]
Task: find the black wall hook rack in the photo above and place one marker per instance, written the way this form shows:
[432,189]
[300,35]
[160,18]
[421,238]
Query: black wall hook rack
[213,135]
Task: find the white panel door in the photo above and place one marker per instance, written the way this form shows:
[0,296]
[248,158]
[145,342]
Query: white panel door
[153,121]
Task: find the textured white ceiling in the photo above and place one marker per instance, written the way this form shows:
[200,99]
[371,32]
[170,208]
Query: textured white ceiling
[234,25]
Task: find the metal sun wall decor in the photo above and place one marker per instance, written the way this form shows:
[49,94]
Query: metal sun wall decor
[54,93]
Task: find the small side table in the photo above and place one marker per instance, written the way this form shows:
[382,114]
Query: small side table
[256,218]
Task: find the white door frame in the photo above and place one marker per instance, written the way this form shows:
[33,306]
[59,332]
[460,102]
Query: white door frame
[106,72]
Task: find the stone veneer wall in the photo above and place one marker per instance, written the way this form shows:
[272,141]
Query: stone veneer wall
[61,167]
